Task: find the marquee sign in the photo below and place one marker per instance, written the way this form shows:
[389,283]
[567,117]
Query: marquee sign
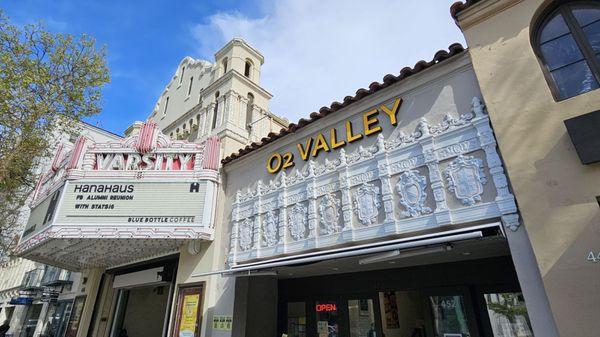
[145,186]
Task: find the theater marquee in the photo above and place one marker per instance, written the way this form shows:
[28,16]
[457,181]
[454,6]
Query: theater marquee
[145,187]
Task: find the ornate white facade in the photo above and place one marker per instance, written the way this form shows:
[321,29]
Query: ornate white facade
[432,177]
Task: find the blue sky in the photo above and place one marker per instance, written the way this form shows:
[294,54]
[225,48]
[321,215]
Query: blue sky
[315,51]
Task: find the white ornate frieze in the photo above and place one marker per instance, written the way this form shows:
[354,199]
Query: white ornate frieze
[390,187]
[411,189]
[366,203]
[329,211]
[465,177]
[297,221]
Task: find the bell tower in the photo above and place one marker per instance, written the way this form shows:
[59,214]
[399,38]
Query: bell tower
[223,98]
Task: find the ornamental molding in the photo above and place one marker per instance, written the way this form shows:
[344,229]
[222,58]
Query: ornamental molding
[269,229]
[297,221]
[411,189]
[329,214]
[245,234]
[465,177]
[366,203]
[380,190]
[511,222]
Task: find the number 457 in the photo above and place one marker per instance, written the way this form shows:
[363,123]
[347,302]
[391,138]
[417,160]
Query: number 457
[593,257]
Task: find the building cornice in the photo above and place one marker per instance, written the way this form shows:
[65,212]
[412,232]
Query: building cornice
[471,12]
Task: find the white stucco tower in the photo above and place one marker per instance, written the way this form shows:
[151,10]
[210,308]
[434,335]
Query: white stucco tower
[223,98]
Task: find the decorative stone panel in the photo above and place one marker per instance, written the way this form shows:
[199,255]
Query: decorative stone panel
[406,183]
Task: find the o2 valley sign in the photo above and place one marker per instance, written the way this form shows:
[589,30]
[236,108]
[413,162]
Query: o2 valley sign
[325,142]
[145,186]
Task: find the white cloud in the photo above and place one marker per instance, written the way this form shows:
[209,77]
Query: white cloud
[319,51]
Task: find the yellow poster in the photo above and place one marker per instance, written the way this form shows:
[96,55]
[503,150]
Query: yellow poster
[189,315]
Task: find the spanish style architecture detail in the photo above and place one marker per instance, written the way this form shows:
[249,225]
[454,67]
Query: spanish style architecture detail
[317,201]
[269,229]
[411,189]
[465,177]
[366,203]
[245,236]
[328,209]
[511,221]
[297,221]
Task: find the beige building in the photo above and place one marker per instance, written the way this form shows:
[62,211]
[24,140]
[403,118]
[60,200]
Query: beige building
[537,65]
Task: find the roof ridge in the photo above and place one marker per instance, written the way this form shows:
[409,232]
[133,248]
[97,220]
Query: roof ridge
[389,79]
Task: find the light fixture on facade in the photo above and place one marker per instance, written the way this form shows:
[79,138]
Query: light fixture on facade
[399,254]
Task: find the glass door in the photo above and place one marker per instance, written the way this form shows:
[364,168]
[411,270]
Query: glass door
[328,318]
[451,313]
[363,317]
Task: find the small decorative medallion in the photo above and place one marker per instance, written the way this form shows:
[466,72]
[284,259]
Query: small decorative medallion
[411,188]
[269,229]
[366,203]
[328,209]
[246,234]
[297,222]
[465,177]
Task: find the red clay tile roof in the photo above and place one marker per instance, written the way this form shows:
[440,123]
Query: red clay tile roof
[459,6]
[374,87]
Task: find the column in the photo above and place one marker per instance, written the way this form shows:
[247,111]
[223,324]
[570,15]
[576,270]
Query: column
[346,198]
[282,205]
[313,222]
[530,279]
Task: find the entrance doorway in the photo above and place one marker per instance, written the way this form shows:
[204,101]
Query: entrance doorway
[140,296]
[477,298]
[141,311]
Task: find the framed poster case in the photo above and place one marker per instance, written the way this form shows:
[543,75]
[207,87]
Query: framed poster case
[189,310]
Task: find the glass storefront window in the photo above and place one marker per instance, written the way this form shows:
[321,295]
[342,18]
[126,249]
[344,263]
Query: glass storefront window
[449,316]
[361,316]
[56,321]
[327,319]
[508,315]
[296,319]
[402,314]
[33,314]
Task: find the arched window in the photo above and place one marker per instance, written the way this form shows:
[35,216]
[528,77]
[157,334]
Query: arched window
[214,121]
[248,68]
[567,42]
[224,66]
[249,109]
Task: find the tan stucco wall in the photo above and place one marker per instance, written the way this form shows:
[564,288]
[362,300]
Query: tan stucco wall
[554,191]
